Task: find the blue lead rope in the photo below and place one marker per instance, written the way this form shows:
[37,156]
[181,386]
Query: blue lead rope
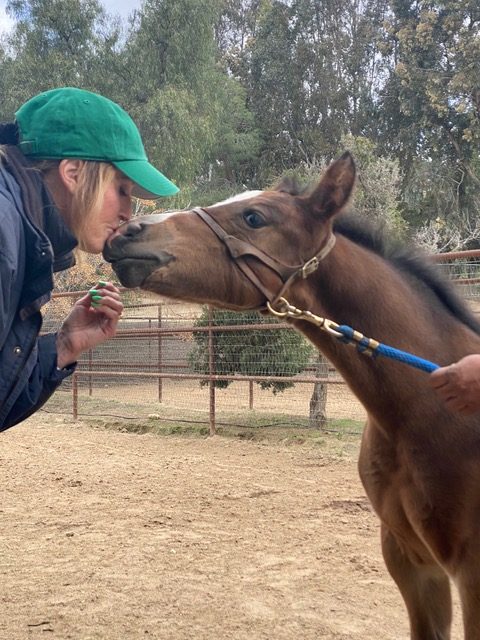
[346,334]
[374,349]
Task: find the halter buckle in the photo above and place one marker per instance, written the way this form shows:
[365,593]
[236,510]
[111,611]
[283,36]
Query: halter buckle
[309,267]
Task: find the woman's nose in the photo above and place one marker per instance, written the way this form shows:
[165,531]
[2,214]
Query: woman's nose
[125,214]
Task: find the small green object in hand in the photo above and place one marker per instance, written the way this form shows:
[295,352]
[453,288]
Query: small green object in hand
[95,299]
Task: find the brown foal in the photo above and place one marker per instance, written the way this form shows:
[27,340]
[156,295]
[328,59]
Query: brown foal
[419,464]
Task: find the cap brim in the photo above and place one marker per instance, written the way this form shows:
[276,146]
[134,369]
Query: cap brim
[149,182]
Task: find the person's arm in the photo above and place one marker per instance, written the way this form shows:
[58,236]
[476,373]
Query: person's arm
[28,365]
[84,328]
[458,385]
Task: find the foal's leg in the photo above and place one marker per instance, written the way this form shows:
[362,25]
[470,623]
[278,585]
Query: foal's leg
[469,589]
[425,589]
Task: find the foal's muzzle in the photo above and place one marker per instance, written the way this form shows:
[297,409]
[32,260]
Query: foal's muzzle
[133,256]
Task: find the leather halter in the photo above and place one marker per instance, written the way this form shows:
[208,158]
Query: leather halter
[238,249]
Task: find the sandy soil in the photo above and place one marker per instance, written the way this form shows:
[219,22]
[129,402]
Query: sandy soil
[108,535]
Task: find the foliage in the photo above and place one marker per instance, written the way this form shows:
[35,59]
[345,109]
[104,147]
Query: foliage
[310,68]
[88,269]
[193,117]
[55,43]
[377,193]
[230,94]
[431,106]
[255,352]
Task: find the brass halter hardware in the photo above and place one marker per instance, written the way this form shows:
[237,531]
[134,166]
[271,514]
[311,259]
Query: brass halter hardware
[287,310]
[239,249]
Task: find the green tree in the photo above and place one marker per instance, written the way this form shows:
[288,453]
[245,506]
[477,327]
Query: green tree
[164,69]
[311,68]
[253,352]
[192,115]
[377,194]
[55,43]
[431,108]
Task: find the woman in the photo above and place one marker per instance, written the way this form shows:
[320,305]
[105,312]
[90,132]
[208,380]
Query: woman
[69,166]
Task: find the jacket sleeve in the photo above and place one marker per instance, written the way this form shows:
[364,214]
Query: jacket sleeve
[43,381]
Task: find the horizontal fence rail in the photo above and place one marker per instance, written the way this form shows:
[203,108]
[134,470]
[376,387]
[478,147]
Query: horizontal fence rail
[166,365]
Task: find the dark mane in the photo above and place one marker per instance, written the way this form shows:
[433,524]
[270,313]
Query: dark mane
[409,260]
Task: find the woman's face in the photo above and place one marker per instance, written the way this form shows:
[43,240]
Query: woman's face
[115,209]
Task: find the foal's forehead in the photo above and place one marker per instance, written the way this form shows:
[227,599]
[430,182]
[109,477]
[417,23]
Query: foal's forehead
[240,196]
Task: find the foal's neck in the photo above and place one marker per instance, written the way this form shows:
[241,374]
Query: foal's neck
[357,287]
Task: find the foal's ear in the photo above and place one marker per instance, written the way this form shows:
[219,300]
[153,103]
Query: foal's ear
[334,189]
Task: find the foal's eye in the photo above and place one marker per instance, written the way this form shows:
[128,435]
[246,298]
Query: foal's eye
[254,219]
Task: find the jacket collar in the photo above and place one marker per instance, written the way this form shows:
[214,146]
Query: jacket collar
[61,238]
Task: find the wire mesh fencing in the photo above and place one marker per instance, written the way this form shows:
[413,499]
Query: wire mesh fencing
[170,362]
[463,269]
[180,363]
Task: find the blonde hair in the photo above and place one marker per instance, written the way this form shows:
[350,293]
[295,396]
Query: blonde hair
[94,178]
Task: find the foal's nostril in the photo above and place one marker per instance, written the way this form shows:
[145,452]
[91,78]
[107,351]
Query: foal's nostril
[132,229]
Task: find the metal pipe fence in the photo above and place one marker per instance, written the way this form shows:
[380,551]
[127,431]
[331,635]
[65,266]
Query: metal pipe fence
[149,370]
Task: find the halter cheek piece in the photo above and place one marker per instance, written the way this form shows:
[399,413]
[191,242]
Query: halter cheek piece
[239,249]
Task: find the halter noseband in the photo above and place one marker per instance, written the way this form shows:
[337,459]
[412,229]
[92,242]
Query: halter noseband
[238,249]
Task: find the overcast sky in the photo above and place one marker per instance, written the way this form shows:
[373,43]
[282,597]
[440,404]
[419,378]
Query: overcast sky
[122,7]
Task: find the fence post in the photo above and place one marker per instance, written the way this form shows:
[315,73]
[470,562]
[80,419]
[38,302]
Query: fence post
[90,377]
[211,368]
[160,354]
[75,396]
[250,395]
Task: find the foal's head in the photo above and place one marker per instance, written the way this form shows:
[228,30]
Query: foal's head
[181,256]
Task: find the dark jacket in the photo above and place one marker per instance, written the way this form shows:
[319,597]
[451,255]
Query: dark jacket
[33,241]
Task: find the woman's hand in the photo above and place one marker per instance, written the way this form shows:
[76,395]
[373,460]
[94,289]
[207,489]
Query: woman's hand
[93,319]
[459,385]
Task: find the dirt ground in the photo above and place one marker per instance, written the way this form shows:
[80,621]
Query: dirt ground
[108,535]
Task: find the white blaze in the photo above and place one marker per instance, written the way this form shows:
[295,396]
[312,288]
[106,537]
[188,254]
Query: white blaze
[240,196]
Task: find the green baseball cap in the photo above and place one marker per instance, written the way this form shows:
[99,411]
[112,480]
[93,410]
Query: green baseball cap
[73,123]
